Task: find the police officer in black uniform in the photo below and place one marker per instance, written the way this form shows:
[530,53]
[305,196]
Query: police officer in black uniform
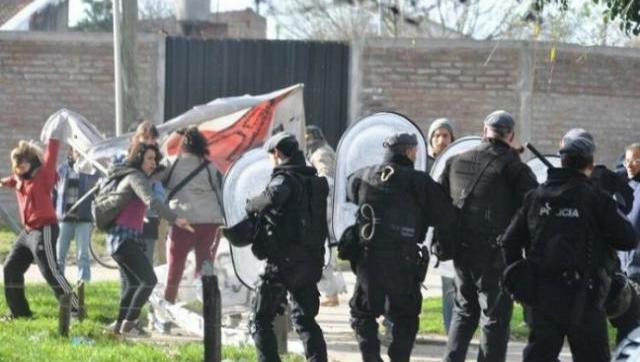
[294,257]
[396,205]
[623,303]
[487,185]
[565,228]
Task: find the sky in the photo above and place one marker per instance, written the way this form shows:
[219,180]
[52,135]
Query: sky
[76,9]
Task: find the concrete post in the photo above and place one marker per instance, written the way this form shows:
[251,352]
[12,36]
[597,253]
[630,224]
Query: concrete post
[64,316]
[355,78]
[524,123]
[125,17]
[212,313]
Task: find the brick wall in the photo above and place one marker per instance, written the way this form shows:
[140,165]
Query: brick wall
[463,80]
[43,72]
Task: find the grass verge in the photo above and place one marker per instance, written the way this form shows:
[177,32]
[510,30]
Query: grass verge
[431,321]
[37,339]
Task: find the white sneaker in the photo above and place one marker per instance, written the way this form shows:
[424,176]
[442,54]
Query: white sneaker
[114,327]
[133,329]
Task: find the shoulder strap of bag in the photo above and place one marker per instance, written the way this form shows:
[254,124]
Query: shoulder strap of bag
[476,179]
[166,180]
[215,191]
[186,180]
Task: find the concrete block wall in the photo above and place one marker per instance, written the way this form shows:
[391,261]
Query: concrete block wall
[43,72]
[464,80]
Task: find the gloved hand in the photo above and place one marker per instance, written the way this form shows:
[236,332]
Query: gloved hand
[55,127]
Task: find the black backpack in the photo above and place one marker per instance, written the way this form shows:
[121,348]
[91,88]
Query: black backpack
[311,209]
[564,241]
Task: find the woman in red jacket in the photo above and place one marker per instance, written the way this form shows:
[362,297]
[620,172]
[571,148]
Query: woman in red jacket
[34,177]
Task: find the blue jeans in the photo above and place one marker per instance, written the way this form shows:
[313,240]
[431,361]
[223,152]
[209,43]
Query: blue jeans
[448,298]
[81,232]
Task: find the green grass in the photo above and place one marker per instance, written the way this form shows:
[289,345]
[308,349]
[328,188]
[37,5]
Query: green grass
[431,321]
[6,240]
[37,339]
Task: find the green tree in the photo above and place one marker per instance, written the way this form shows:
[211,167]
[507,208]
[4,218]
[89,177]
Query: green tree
[626,11]
[98,16]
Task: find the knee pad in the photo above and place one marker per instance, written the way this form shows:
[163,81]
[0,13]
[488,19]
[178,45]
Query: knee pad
[269,299]
[257,324]
[364,326]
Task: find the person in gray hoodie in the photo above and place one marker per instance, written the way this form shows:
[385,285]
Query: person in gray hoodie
[194,192]
[440,136]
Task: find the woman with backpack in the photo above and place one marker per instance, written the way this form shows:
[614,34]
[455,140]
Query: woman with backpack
[136,195]
[193,192]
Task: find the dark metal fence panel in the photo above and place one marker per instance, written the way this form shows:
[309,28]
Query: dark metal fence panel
[198,71]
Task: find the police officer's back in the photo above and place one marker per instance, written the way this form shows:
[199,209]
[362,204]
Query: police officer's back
[292,213]
[487,185]
[396,204]
[623,304]
[565,228]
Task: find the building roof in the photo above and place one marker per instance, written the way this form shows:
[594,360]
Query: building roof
[237,15]
[234,24]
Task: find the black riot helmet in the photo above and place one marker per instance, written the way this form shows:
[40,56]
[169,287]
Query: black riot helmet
[240,234]
[620,296]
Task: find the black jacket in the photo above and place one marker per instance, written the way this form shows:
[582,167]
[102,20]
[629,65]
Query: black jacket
[433,205]
[615,184]
[612,226]
[498,193]
[279,190]
[279,204]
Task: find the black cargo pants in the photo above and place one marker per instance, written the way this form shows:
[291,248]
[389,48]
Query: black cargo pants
[270,300]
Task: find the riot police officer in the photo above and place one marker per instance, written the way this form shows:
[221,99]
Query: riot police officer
[565,228]
[292,213]
[396,205]
[623,303]
[487,185]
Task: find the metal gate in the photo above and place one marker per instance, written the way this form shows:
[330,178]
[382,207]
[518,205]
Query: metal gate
[198,71]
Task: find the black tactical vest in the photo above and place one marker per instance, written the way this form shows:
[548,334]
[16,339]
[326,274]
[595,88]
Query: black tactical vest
[563,233]
[491,204]
[397,217]
[303,219]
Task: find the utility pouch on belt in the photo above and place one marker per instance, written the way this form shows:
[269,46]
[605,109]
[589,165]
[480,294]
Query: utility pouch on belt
[349,244]
[423,263]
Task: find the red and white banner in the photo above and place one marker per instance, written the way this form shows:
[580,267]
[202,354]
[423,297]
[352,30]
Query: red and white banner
[231,135]
[231,125]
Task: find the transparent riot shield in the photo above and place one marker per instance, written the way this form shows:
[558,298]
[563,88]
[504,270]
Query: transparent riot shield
[457,147]
[247,177]
[361,146]
[540,169]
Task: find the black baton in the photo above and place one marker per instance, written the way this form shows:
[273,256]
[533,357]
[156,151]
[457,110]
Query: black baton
[539,155]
